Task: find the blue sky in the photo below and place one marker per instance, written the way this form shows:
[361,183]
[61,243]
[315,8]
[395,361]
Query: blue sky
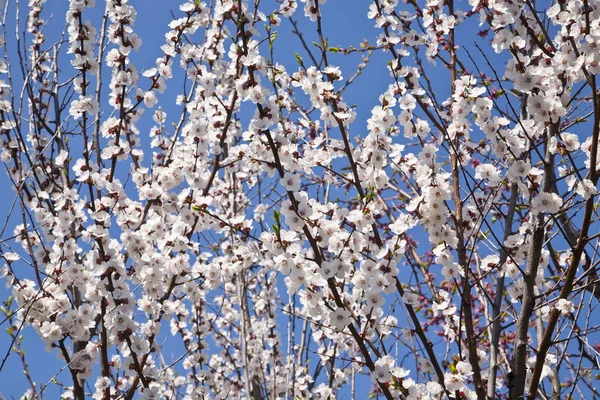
[345,24]
[343,28]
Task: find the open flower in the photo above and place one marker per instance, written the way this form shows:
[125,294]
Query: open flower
[586,189]
[565,306]
[547,203]
[339,318]
[291,182]
[85,104]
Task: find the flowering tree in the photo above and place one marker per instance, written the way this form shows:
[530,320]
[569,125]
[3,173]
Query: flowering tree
[445,246]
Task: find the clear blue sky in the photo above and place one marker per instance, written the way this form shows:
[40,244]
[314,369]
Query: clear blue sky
[345,24]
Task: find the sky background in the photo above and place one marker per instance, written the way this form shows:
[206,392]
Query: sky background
[344,23]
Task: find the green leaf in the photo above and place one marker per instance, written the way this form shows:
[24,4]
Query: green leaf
[369,196]
[272,38]
[452,368]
